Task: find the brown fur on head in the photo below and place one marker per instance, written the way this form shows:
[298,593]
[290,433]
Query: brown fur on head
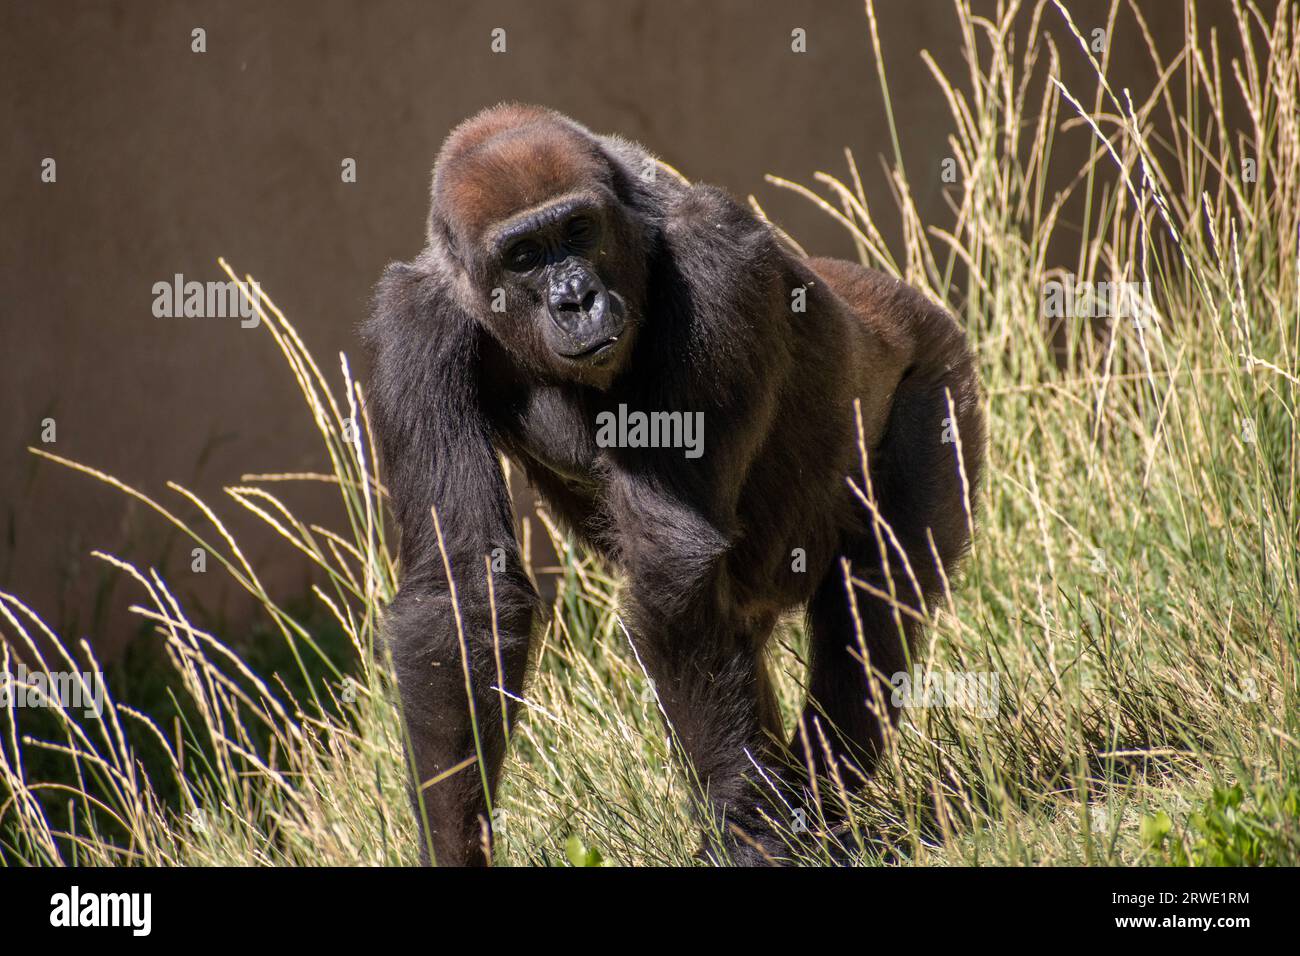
[505,159]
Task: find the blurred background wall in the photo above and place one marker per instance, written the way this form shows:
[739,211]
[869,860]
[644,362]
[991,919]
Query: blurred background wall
[167,159]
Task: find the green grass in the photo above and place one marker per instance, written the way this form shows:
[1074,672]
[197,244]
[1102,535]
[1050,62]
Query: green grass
[1133,583]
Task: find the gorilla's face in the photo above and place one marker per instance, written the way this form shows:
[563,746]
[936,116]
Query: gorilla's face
[552,262]
[562,297]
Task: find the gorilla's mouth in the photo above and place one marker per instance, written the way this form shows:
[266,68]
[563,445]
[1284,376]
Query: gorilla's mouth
[596,352]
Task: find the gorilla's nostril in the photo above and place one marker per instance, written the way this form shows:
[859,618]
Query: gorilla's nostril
[584,307]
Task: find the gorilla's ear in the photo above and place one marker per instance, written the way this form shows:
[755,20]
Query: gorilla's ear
[442,250]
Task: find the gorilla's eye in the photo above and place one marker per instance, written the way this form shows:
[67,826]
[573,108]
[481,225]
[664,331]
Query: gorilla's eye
[523,255]
[580,232]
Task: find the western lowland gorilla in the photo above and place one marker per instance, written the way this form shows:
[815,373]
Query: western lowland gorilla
[694,401]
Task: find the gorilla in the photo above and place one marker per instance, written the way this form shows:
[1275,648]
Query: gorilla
[569,282]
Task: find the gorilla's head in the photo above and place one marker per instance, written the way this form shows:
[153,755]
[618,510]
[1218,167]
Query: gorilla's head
[538,221]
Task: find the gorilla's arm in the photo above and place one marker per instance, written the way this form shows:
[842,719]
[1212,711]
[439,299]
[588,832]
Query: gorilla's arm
[439,455]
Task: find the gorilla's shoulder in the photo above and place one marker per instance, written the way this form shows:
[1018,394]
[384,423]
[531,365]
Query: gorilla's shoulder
[696,204]
[709,219]
[407,293]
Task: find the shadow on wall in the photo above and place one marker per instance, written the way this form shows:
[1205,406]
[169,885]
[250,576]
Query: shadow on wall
[167,158]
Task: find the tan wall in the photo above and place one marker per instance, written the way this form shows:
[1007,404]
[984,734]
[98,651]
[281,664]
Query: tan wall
[167,159]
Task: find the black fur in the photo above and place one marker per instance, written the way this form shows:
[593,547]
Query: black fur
[706,543]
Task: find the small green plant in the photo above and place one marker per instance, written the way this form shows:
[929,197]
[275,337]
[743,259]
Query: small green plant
[580,855]
[1240,826]
[1154,829]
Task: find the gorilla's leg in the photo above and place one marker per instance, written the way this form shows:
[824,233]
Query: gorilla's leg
[456,716]
[919,499]
[720,707]
[848,682]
